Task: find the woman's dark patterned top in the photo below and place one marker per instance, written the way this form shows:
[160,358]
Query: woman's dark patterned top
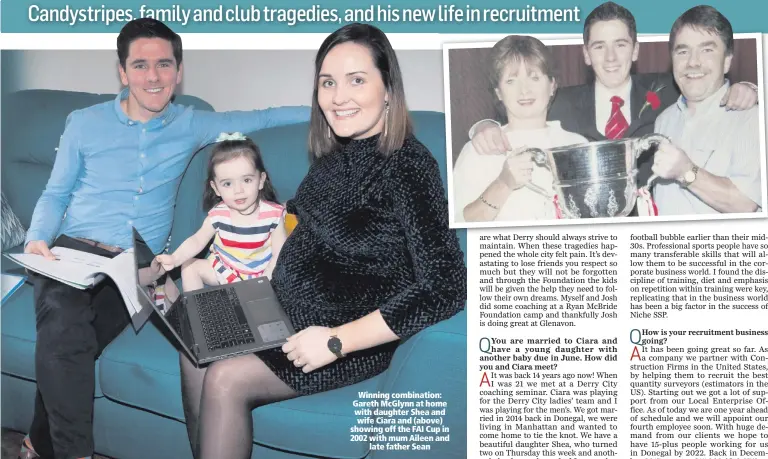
[372,234]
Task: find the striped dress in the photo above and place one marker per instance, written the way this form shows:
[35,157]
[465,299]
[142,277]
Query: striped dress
[242,253]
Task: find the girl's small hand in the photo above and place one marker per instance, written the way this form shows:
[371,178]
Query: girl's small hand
[166,261]
[308,349]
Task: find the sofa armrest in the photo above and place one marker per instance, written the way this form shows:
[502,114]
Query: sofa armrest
[435,360]
[441,349]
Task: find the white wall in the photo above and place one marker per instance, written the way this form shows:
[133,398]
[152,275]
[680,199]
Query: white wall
[228,80]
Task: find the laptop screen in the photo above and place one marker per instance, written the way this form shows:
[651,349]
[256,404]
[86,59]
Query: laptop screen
[144,257]
[146,284]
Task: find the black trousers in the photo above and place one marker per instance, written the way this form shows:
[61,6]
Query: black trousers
[73,328]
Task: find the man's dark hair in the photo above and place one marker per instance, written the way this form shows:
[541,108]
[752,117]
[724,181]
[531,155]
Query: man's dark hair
[609,11]
[705,18]
[146,28]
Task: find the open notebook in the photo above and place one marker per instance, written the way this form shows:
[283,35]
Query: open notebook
[84,270]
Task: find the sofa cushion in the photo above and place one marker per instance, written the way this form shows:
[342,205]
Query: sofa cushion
[32,122]
[322,423]
[188,214]
[142,370]
[286,157]
[18,336]
[442,349]
[13,232]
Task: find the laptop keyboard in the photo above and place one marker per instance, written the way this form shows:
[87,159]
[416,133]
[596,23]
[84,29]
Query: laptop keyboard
[173,317]
[223,319]
[179,319]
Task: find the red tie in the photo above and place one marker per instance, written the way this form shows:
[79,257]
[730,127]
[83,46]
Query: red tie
[617,125]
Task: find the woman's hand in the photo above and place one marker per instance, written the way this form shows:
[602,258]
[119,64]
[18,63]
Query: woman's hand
[308,349]
[517,169]
[166,261]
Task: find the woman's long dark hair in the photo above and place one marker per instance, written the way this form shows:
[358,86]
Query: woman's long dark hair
[231,149]
[397,119]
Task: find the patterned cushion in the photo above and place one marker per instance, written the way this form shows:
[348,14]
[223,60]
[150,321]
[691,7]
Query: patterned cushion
[13,232]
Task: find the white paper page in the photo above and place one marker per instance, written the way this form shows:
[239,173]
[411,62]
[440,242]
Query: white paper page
[122,270]
[73,267]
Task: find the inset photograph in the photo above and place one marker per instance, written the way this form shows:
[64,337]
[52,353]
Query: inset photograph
[613,127]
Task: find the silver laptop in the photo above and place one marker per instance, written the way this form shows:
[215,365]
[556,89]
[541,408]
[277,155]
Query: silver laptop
[219,322]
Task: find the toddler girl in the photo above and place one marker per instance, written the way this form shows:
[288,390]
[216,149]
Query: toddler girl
[244,220]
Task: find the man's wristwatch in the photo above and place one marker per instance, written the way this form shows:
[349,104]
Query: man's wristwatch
[334,345]
[689,177]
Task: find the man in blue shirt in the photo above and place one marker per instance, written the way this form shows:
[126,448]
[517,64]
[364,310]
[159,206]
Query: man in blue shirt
[118,165]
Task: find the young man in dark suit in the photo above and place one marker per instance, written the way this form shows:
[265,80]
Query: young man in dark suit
[617,104]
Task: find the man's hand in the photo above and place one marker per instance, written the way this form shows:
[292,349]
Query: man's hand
[40,248]
[740,96]
[517,169]
[489,139]
[670,162]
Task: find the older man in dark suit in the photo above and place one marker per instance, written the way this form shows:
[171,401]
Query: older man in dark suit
[617,104]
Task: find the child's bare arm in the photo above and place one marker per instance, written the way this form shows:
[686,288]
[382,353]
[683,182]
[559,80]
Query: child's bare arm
[189,248]
[279,235]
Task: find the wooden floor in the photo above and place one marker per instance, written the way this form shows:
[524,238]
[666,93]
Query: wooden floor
[11,442]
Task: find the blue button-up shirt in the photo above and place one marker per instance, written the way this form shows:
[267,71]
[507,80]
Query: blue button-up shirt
[112,173]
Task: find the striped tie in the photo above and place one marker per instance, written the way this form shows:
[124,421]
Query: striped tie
[617,125]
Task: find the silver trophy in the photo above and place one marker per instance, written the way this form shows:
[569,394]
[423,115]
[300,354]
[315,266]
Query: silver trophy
[596,179]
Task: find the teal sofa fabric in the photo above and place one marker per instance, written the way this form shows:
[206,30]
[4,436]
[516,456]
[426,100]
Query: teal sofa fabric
[138,411]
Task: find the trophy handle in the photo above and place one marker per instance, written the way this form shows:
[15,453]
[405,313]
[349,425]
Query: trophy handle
[647,141]
[540,158]
[649,183]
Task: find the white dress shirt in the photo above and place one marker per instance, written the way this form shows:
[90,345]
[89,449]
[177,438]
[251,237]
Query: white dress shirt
[724,143]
